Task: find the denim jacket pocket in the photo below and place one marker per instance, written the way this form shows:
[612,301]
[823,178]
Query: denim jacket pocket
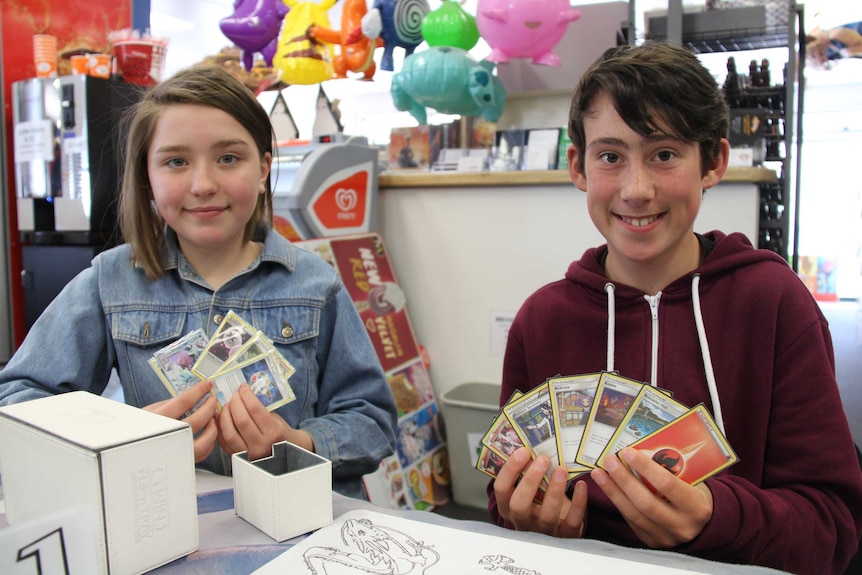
[288,324]
[144,328]
[294,328]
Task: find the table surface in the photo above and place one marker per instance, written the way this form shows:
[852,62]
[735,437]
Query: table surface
[231,546]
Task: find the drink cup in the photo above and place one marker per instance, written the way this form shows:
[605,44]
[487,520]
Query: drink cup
[140,61]
[45,55]
[100,65]
[80,64]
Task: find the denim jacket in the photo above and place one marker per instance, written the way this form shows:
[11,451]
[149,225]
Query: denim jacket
[112,317]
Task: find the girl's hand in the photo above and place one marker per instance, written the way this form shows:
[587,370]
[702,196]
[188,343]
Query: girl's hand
[202,421]
[244,424]
[676,516]
[556,515]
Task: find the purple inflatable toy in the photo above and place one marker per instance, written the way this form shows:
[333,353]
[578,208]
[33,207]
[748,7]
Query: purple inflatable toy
[254,27]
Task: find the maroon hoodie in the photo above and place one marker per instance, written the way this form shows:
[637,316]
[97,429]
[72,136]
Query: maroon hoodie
[794,499]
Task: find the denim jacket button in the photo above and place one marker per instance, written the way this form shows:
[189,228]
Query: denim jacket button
[286,331]
[218,319]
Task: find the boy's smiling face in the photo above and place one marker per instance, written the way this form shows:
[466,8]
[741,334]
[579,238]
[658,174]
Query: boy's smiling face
[643,195]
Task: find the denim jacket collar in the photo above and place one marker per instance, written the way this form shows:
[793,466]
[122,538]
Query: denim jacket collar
[274,250]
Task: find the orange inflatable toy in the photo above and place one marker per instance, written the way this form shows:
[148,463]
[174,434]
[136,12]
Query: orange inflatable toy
[356,48]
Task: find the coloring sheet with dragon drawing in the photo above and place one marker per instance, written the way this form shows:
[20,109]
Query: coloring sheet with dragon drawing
[361,542]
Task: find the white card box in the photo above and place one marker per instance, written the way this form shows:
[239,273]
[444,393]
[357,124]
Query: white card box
[130,471]
[286,494]
[741,157]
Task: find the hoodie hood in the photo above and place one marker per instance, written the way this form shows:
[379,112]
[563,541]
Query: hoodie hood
[729,253]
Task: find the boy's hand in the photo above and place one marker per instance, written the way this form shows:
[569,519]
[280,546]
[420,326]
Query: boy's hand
[202,421]
[244,424]
[556,515]
[660,522]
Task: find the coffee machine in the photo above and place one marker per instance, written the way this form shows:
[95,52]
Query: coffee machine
[67,140]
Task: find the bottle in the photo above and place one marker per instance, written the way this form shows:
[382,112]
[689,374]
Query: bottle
[753,74]
[731,84]
[765,79]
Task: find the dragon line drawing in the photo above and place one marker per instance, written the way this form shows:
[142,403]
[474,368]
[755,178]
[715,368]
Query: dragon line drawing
[372,549]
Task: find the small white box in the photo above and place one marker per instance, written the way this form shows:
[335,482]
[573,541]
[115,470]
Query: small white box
[286,494]
[130,471]
[741,157]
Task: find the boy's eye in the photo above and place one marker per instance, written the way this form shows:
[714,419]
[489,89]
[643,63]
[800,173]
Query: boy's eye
[610,158]
[665,155]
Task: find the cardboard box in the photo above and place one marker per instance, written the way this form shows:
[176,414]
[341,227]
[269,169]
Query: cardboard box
[285,495]
[130,471]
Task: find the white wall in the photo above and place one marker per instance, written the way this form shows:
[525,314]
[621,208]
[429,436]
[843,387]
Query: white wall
[463,254]
[830,209]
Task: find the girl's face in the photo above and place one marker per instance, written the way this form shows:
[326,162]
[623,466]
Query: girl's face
[206,175]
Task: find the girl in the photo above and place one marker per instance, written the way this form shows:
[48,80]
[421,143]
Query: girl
[196,213]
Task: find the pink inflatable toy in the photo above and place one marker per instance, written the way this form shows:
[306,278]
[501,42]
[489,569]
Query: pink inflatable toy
[524,28]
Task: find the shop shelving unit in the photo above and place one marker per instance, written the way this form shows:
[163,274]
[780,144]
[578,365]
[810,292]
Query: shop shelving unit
[732,30]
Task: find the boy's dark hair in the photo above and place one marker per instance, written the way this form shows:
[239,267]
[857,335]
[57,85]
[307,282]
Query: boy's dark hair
[655,85]
[204,85]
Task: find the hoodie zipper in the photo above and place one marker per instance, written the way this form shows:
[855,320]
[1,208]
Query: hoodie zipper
[653,300]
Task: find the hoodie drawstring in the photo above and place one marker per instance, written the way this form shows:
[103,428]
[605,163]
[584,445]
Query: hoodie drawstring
[704,352]
[701,334]
[612,325]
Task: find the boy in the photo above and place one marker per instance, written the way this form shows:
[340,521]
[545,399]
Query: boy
[708,317]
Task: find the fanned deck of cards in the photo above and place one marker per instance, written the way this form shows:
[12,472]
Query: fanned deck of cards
[578,421]
[237,353]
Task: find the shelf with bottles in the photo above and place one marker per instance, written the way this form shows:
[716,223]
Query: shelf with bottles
[762,105]
[754,89]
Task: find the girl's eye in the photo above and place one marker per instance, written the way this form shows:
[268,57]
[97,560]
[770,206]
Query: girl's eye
[228,159]
[175,162]
[610,157]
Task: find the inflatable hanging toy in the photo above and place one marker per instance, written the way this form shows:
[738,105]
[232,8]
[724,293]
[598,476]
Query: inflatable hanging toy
[449,80]
[524,28]
[254,27]
[356,47]
[402,26]
[301,58]
[450,25]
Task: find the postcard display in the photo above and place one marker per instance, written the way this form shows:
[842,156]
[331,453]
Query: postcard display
[417,475]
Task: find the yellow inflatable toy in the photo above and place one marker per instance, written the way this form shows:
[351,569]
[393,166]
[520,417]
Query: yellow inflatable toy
[301,58]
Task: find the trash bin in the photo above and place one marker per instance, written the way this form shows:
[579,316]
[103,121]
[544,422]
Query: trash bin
[468,411]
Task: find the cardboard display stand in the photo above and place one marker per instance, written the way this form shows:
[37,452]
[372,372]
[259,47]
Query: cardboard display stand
[417,475]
